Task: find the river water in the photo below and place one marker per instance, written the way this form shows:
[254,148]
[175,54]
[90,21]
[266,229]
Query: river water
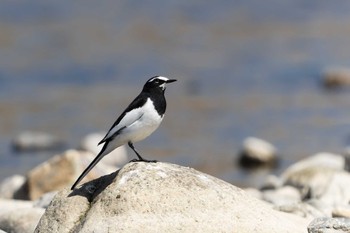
[245,68]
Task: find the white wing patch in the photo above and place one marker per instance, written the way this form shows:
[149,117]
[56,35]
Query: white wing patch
[138,123]
[128,119]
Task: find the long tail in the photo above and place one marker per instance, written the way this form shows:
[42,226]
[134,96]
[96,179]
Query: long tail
[100,155]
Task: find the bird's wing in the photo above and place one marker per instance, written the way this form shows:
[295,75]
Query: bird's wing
[131,114]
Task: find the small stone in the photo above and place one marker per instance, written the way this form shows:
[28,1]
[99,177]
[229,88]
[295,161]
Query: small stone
[257,152]
[329,225]
[10,185]
[33,141]
[336,77]
[117,157]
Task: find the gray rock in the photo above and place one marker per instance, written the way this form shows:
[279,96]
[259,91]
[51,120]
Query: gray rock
[117,157]
[329,225]
[10,185]
[282,196]
[256,152]
[159,197]
[23,220]
[63,170]
[29,141]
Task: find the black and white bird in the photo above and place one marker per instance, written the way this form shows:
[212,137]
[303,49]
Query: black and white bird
[140,119]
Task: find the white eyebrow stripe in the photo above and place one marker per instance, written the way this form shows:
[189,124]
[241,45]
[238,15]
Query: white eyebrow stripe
[160,78]
[163,78]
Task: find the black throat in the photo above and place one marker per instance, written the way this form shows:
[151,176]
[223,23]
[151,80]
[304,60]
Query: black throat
[158,99]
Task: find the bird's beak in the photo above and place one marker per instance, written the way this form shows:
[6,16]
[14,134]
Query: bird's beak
[171,80]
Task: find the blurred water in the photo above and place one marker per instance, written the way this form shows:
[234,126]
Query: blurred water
[244,69]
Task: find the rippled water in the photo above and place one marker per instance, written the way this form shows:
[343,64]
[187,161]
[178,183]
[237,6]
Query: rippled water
[244,69]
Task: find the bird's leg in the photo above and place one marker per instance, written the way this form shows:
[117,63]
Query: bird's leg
[139,156]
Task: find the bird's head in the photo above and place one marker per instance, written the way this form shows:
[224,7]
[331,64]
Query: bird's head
[157,83]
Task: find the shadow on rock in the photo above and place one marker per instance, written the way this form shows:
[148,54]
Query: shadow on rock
[93,188]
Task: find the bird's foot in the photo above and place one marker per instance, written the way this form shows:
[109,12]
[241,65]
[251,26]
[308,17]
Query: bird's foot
[143,160]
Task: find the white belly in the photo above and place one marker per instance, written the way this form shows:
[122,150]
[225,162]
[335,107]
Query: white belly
[143,127]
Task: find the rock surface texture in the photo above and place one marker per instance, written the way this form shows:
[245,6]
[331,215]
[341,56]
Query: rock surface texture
[160,197]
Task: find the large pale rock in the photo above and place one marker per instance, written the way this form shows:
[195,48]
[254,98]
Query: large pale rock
[159,197]
[117,157]
[61,171]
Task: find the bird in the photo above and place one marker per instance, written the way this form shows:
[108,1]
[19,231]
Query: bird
[139,120]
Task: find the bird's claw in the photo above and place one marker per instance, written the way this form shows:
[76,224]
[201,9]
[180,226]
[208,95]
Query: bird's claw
[143,160]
